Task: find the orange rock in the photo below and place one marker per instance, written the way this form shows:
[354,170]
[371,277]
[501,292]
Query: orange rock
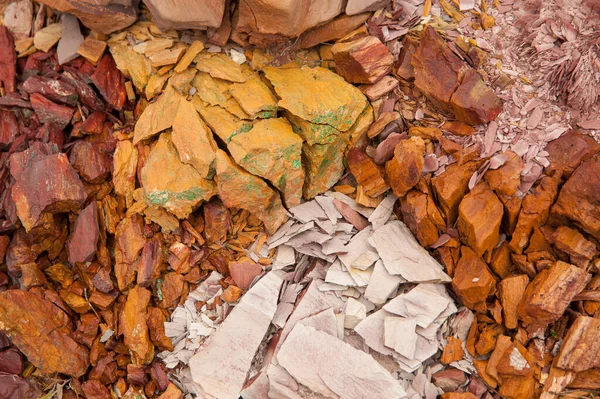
[506,179]
[518,388]
[573,243]
[472,280]
[487,339]
[231,294]
[479,218]
[568,151]
[130,240]
[156,328]
[580,349]
[172,392]
[132,324]
[534,211]
[367,173]
[403,66]
[481,366]
[451,186]
[458,395]
[422,217]
[512,208]
[453,351]
[431,133]
[511,291]
[217,222]
[459,128]
[332,30]
[94,389]
[501,262]
[474,102]
[448,257]
[404,170]
[588,379]
[365,60]
[548,295]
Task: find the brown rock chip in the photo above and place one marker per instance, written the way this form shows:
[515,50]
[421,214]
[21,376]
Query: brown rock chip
[422,217]
[110,82]
[451,187]
[84,239]
[474,102]
[511,290]
[506,179]
[573,243]
[404,170]
[472,281]
[244,271]
[367,173]
[365,60]
[132,324]
[580,349]
[453,351]
[568,151]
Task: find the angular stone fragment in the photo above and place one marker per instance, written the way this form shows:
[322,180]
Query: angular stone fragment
[367,173]
[568,151]
[18,18]
[130,240]
[479,218]
[193,140]
[53,89]
[132,64]
[217,222]
[357,6]
[47,184]
[47,37]
[453,351]
[506,179]
[472,281]
[244,271]
[579,197]
[220,66]
[8,60]
[404,170]
[438,71]
[70,40]
[422,216]
[580,350]
[511,291]
[110,82]
[48,111]
[323,165]
[305,92]
[171,184]
[332,30]
[403,66]
[41,331]
[474,102]
[255,97]
[186,14]
[449,379]
[159,115]
[379,89]
[534,211]
[132,324]
[573,243]
[125,160]
[84,238]
[365,60]
[549,294]
[223,123]
[240,189]
[105,16]
[451,186]
[92,49]
[272,150]
[93,165]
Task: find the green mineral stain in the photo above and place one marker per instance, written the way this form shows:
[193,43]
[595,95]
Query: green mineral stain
[160,197]
[159,293]
[296,163]
[246,127]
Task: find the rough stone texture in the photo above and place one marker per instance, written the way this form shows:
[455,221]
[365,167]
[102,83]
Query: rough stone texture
[365,60]
[18,18]
[171,184]
[438,71]
[367,173]
[568,151]
[125,160]
[403,66]
[472,281]
[323,165]
[506,179]
[546,298]
[243,272]
[40,330]
[47,184]
[255,97]
[92,164]
[159,115]
[474,102]
[132,324]
[70,40]
[105,16]
[333,30]
[357,6]
[186,14]
[451,187]
[193,140]
[580,349]
[239,189]
[84,238]
[422,216]
[261,19]
[479,217]
[53,89]
[573,243]
[48,111]
[110,82]
[404,169]
[511,290]
[579,197]
[272,150]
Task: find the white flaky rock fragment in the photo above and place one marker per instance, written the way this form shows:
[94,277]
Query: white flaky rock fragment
[400,335]
[329,366]
[382,284]
[355,312]
[221,365]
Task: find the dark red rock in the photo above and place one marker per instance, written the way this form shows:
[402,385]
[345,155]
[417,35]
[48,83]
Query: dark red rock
[87,329]
[9,127]
[84,239]
[449,379]
[159,376]
[47,185]
[4,241]
[404,69]
[94,389]
[93,165]
[150,261]
[48,111]
[94,124]
[51,134]
[136,375]
[217,222]
[474,102]
[110,82]
[53,89]
[568,151]
[11,361]
[87,95]
[14,387]
[8,60]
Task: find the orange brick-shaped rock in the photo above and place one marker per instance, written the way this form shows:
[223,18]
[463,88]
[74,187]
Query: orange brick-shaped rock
[473,282]
[511,291]
[367,173]
[450,187]
[404,170]
[365,60]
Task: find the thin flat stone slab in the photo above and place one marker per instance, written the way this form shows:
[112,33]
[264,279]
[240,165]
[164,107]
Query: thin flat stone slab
[158,116]
[221,365]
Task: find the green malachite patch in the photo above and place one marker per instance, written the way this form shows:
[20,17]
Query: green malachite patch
[163,197]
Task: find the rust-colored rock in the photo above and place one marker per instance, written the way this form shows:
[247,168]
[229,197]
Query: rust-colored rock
[549,294]
[367,173]
[8,60]
[217,222]
[48,184]
[568,151]
[472,280]
[93,165]
[451,187]
[453,351]
[53,89]
[132,324]
[404,170]
[506,179]
[110,82]
[332,30]
[422,217]
[403,66]
[48,111]
[580,349]
[458,395]
[130,240]
[186,14]
[449,379]
[579,197]
[365,60]
[479,218]
[40,330]
[573,243]
[511,290]
[243,271]
[156,327]
[474,102]
[84,238]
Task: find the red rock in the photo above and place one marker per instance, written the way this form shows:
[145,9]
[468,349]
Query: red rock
[94,389]
[93,165]
[4,241]
[94,124]
[568,151]
[449,379]
[136,375]
[385,150]
[130,240]
[87,329]
[87,95]
[48,184]
[13,386]
[474,102]
[39,329]
[404,170]
[156,327]
[47,111]
[472,281]
[579,197]
[53,89]
[403,66]
[546,298]
[365,60]
[355,218]
[9,127]
[367,173]
[150,262]
[8,60]
[159,376]
[438,71]
[479,217]
[11,361]
[186,14]
[84,239]
[573,243]
[50,133]
[110,82]
[244,271]
[217,222]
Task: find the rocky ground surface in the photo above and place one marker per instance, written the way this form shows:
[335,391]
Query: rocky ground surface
[227,199]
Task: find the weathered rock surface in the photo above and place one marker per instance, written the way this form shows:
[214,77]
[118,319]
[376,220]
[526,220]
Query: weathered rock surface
[171,184]
[132,324]
[452,186]
[365,60]
[186,14]
[404,169]
[332,30]
[18,18]
[125,161]
[48,111]
[40,330]
[506,179]
[479,217]
[367,173]
[84,238]
[159,115]
[323,165]
[239,189]
[110,82]
[422,216]
[255,97]
[357,6]
[568,151]
[573,243]
[474,102]
[580,349]
[472,281]
[92,164]
[272,150]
